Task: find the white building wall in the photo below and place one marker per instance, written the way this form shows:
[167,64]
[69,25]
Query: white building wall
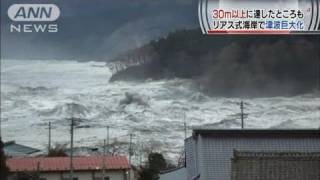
[83,175]
[214,154]
[115,175]
[50,176]
[79,175]
[191,157]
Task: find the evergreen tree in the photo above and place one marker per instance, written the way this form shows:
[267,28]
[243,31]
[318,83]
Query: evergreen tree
[156,163]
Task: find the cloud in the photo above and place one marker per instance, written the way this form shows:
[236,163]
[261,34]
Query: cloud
[85,27]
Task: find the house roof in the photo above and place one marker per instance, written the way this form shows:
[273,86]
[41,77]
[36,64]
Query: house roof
[258,132]
[47,164]
[13,149]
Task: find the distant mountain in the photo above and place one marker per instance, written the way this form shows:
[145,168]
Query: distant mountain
[229,65]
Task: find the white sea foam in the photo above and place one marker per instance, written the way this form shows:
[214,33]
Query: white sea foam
[36,92]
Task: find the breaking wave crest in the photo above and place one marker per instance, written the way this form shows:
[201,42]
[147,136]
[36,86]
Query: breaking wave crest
[37,90]
[67,110]
[152,109]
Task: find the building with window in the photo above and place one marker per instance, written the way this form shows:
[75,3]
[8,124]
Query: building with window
[58,168]
[210,153]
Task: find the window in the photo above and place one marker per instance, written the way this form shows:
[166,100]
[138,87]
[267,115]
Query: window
[74,178]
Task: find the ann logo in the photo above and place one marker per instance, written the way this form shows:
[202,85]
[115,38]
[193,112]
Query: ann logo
[30,18]
[33,12]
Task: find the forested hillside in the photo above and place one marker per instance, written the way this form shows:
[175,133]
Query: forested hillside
[229,65]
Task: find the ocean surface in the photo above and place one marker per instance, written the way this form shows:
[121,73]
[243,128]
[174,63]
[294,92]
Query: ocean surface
[35,92]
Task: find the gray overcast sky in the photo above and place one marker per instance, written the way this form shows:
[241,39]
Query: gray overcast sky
[97,29]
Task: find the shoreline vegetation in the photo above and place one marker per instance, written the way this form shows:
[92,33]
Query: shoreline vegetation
[226,65]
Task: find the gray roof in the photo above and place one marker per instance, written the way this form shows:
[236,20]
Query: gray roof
[258,132]
[13,149]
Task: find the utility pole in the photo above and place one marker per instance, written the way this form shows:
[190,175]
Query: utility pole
[130,148]
[185,126]
[104,160]
[185,137]
[141,153]
[104,155]
[0,129]
[185,130]
[130,155]
[318,58]
[49,142]
[38,171]
[108,138]
[71,149]
[242,115]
